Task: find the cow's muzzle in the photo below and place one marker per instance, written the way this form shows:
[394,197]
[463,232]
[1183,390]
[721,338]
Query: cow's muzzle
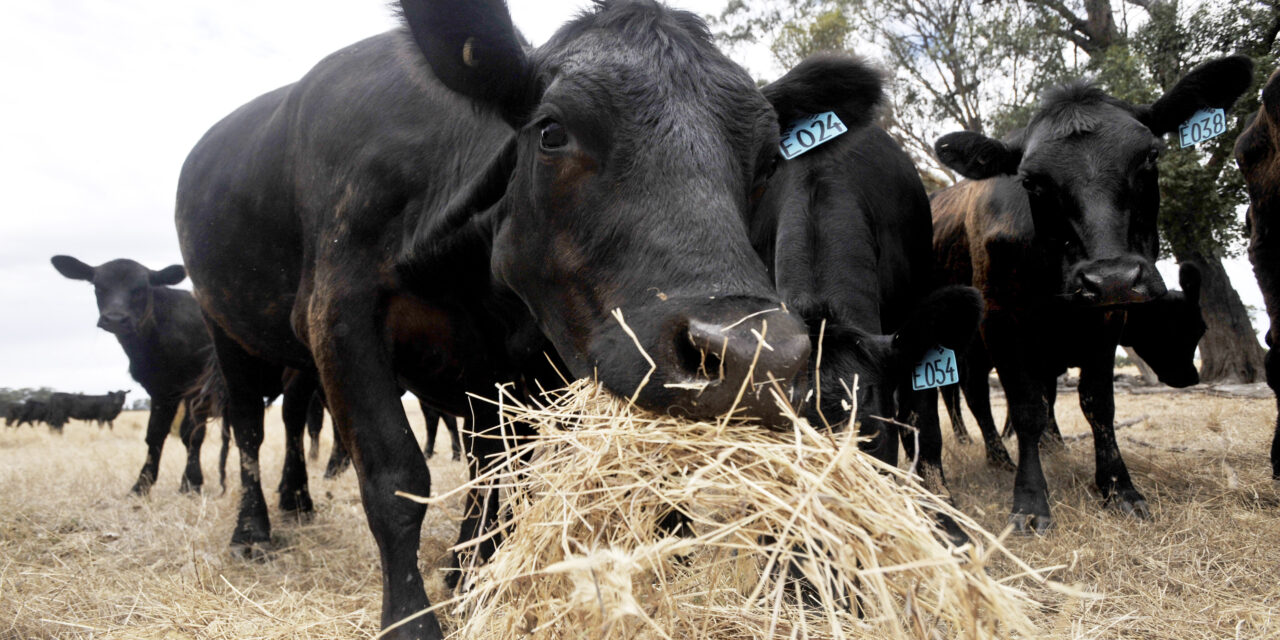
[1115,281]
[116,323]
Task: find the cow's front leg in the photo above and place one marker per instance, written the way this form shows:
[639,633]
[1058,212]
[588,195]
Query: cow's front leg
[1097,401]
[158,423]
[294,495]
[1029,407]
[243,375]
[192,433]
[363,396]
[977,393]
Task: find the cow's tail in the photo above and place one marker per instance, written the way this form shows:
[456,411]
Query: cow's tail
[206,400]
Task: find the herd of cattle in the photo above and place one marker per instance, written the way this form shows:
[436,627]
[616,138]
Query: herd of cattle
[440,209]
[61,407]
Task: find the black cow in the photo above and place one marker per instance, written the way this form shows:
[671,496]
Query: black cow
[846,231]
[167,345]
[1164,333]
[1258,155]
[1057,221]
[30,411]
[78,406]
[169,351]
[438,224]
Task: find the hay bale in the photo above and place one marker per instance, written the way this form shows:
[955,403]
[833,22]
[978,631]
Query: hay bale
[585,555]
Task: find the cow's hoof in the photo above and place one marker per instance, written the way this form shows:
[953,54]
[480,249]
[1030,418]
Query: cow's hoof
[1029,523]
[254,551]
[251,544]
[141,489]
[430,454]
[297,504]
[1000,460]
[187,486]
[963,438]
[333,470]
[1132,504]
[457,457]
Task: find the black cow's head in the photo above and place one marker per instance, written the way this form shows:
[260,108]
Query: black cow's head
[1166,331]
[117,398]
[637,145]
[123,288]
[1088,163]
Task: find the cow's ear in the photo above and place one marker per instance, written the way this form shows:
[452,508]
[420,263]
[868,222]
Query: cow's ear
[168,276]
[849,86]
[443,237]
[1214,84]
[1189,280]
[474,50]
[976,156]
[72,268]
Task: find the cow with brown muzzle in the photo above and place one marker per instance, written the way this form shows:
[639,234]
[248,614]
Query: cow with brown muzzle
[1058,220]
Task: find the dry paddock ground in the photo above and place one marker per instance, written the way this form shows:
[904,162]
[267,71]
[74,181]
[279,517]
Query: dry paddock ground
[81,559]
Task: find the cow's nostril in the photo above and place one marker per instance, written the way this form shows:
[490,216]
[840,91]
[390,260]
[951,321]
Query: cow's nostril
[1092,281]
[701,348]
[1132,275]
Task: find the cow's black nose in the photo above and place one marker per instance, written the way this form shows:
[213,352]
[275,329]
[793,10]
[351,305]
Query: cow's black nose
[113,320]
[1114,281]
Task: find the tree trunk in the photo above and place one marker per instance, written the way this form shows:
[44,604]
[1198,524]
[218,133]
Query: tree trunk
[1229,351]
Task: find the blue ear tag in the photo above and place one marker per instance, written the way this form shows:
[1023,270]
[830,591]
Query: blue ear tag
[807,133]
[1203,125]
[937,369]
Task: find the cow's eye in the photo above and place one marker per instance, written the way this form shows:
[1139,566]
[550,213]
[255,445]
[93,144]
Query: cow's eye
[554,136]
[1152,156]
[1033,184]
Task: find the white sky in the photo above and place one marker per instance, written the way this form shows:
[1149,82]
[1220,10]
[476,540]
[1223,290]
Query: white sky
[101,103]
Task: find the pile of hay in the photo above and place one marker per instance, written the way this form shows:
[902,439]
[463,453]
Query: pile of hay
[585,555]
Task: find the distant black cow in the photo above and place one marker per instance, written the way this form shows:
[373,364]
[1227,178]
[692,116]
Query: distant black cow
[169,349]
[1055,221]
[78,406]
[1258,154]
[1164,333]
[439,223]
[28,411]
[846,230]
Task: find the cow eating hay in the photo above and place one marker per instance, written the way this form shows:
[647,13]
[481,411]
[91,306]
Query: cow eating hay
[589,550]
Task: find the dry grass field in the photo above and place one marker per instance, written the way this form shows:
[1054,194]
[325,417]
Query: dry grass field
[81,559]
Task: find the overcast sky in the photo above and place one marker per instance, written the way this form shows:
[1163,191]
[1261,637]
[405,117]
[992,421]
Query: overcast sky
[101,103]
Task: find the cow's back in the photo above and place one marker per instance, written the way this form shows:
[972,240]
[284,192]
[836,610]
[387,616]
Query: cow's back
[364,138]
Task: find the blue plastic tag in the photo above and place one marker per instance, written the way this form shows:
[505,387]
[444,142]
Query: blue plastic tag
[1203,125]
[807,133]
[937,369]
